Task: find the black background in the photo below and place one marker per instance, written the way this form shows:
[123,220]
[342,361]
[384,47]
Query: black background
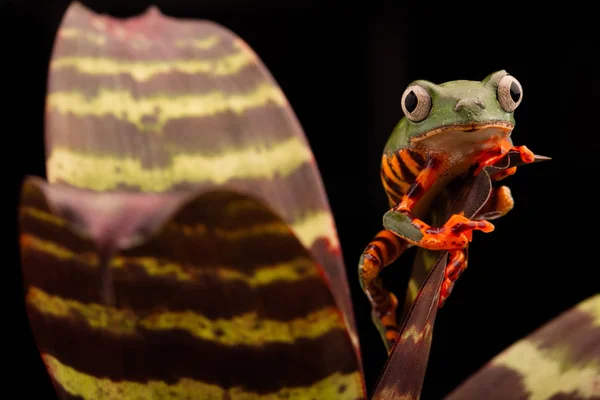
[344,70]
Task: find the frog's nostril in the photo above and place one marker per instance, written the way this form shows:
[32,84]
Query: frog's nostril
[469,102]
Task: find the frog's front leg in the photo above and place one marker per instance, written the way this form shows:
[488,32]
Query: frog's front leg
[384,249]
[455,234]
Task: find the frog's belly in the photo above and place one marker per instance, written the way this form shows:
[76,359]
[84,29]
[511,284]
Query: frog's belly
[421,208]
[459,146]
[458,150]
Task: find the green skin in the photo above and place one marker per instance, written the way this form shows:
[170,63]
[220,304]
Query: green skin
[444,99]
[466,120]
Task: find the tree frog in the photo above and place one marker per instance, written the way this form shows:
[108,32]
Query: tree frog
[447,130]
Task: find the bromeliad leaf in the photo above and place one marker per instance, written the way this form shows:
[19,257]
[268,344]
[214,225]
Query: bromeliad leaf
[215,298]
[405,369]
[184,247]
[557,361]
[157,104]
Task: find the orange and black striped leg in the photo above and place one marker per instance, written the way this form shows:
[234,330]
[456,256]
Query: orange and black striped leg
[498,204]
[457,263]
[456,232]
[384,249]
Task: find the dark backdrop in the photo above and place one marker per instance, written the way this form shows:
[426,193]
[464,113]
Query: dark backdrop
[344,70]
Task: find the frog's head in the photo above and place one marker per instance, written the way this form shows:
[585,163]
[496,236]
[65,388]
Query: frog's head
[457,113]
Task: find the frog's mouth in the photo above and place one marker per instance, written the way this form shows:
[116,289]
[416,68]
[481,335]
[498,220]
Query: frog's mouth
[481,131]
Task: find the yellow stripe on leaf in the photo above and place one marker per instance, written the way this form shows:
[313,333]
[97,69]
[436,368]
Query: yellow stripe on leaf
[285,272]
[543,372]
[309,228]
[161,108]
[412,289]
[98,172]
[30,242]
[41,215]
[591,307]
[89,387]
[415,335]
[95,315]
[295,270]
[76,34]
[247,329]
[274,228]
[203,44]
[141,71]
[314,226]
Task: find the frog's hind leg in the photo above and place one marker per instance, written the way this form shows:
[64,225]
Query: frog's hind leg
[384,249]
[457,263]
[498,204]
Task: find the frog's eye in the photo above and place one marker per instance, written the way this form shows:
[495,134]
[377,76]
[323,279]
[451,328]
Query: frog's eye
[510,93]
[416,103]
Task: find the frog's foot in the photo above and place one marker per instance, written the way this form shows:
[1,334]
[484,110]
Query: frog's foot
[527,156]
[457,263]
[503,173]
[498,204]
[384,318]
[383,302]
[456,233]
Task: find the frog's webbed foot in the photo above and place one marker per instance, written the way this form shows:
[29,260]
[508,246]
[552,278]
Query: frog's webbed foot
[455,234]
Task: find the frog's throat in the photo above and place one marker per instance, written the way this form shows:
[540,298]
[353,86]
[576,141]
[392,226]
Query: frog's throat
[505,126]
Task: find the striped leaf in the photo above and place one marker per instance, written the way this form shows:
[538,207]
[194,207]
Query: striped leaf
[558,361]
[157,104]
[189,296]
[183,247]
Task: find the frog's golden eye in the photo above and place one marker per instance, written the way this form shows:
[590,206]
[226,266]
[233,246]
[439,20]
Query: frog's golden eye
[510,93]
[416,103]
